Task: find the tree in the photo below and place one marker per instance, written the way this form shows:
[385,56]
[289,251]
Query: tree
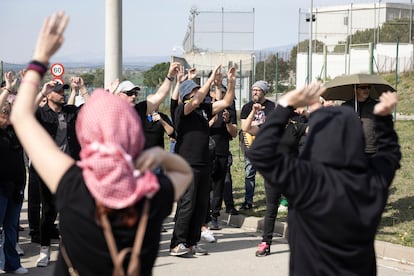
[99,80]
[303,47]
[389,32]
[88,79]
[398,28]
[270,77]
[156,75]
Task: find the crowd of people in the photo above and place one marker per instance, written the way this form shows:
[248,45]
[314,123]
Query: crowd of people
[98,161]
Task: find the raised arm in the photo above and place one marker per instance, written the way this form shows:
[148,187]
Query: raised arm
[202,92]
[164,89]
[9,87]
[229,96]
[50,162]
[388,149]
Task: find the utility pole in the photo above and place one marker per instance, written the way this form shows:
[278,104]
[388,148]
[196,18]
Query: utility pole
[113,41]
[311,19]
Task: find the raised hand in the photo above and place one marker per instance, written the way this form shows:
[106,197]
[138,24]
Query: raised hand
[303,96]
[387,102]
[181,75]
[192,73]
[11,81]
[174,69]
[231,74]
[51,37]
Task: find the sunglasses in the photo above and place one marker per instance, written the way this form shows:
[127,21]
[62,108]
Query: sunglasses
[364,87]
[130,93]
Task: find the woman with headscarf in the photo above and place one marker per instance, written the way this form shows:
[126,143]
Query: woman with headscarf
[336,192]
[112,184]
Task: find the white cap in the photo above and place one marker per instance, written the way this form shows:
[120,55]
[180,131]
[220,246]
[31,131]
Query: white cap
[126,86]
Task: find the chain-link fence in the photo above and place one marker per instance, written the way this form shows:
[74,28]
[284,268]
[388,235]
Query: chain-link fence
[219,31]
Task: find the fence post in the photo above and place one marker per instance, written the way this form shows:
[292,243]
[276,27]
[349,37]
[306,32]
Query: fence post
[371,57]
[277,75]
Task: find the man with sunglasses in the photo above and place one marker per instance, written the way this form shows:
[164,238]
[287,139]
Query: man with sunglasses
[58,118]
[363,104]
[145,109]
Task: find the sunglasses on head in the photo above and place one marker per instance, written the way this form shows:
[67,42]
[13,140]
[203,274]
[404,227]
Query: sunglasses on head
[364,87]
[130,93]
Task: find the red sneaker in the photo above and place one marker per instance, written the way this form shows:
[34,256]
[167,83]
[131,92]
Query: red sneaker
[263,249]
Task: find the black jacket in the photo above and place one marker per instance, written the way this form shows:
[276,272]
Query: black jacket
[336,194]
[49,120]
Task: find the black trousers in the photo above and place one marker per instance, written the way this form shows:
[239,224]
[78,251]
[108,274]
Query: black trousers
[218,181]
[192,208]
[33,204]
[272,204]
[228,185]
[48,209]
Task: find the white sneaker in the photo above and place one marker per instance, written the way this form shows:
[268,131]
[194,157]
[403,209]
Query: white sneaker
[208,236]
[21,270]
[282,209]
[44,257]
[19,250]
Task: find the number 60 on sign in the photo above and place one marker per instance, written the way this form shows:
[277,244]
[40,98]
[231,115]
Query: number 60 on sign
[57,70]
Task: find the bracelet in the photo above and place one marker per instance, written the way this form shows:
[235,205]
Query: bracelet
[169,78]
[35,84]
[37,67]
[43,95]
[228,122]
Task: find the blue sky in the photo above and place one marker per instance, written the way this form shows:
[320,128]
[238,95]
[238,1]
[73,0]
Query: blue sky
[150,28]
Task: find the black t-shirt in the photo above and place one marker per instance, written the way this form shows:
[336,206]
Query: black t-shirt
[153,131]
[218,131]
[261,117]
[84,240]
[49,119]
[290,141]
[12,168]
[193,134]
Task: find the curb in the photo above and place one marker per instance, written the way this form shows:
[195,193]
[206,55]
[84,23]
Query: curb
[384,250]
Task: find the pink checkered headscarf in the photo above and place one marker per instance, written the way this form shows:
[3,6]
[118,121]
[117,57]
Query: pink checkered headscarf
[110,134]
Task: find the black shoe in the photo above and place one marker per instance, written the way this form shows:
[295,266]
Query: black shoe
[246,206]
[232,211]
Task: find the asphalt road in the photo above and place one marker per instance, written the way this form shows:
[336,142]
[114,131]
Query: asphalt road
[233,254]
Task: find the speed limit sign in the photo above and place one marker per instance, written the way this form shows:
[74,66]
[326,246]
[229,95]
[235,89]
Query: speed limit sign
[57,70]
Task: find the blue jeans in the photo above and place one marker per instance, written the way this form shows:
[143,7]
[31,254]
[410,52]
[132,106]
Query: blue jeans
[9,218]
[249,181]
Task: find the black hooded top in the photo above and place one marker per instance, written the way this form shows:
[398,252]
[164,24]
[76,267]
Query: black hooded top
[336,194]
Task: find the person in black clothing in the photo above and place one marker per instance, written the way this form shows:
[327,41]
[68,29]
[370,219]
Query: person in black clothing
[12,182]
[336,192]
[153,129]
[289,145]
[363,105]
[112,180]
[191,124]
[59,120]
[223,128]
[252,116]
